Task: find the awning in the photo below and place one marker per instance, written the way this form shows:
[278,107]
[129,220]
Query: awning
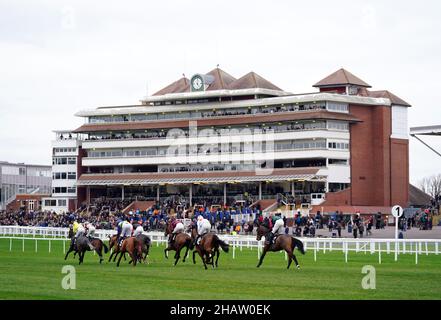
[114,180]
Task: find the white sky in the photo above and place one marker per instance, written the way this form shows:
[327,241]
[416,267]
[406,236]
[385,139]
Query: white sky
[58,57]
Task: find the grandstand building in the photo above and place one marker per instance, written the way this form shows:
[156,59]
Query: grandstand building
[65,164]
[225,138]
[29,181]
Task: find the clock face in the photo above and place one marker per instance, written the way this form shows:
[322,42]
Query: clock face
[197,83]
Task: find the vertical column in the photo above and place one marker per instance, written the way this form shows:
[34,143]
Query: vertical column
[191,194]
[88,194]
[260,190]
[293,191]
[157,192]
[122,193]
[225,193]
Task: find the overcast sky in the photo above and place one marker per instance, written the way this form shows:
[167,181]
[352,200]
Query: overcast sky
[58,57]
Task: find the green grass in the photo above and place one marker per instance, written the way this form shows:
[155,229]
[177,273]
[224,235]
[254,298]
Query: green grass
[31,275]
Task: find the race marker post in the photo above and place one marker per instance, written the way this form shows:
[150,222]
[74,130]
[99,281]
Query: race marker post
[397,211]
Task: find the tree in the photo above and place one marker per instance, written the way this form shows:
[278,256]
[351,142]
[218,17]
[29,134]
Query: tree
[432,186]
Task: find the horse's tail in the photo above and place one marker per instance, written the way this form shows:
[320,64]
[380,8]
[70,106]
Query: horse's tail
[188,243]
[225,246]
[297,243]
[105,247]
[191,243]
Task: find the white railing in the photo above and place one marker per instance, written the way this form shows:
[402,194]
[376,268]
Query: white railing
[372,246]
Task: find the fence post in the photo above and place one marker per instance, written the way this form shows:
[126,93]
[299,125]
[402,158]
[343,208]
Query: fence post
[23,246]
[388,247]
[416,253]
[10,244]
[379,252]
[36,248]
[315,251]
[234,250]
[427,249]
[49,245]
[346,252]
[64,246]
[436,248]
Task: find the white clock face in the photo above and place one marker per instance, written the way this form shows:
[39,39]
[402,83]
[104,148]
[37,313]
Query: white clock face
[197,83]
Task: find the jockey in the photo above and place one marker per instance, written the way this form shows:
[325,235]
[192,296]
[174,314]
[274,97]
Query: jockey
[139,230]
[278,227]
[119,224]
[78,230]
[204,227]
[177,227]
[126,231]
[90,230]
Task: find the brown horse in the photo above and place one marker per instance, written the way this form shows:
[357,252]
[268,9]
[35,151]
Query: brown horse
[133,247]
[282,242]
[113,242]
[97,244]
[181,240]
[208,247]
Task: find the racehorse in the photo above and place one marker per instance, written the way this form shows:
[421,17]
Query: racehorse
[132,246]
[282,242]
[82,244]
[145,247]
[208,247]
[96,243]
[113,243]
[181,240]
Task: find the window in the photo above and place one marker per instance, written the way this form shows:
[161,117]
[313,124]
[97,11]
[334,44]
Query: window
[22,171]
[71,190]
[338,161]
[338,145]
[62,202]
[71,160]
[50,203]
[338,107]
[336,125]
[59,190]
[71,175]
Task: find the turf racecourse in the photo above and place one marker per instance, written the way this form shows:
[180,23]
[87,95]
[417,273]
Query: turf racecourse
[31,275]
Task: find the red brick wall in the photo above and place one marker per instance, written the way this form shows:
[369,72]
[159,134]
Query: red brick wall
[399,172]
[341,198]
[379,164]
[370,156]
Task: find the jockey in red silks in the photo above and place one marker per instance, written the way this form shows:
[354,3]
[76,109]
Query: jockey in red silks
[177,227]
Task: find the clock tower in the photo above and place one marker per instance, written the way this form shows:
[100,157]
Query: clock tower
[197,83]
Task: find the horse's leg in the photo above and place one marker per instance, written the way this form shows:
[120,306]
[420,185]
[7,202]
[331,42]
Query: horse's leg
[99,251]
[117,252]
[194,257]
[295,260]
[120,256]
[265,249]
[80,257]
[289,258]
[177,255]
[166,250]
[132,254]
[67,253]
[217,256]
[186,253]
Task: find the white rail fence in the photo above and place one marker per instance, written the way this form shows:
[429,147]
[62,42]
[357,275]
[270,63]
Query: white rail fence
[378,247]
